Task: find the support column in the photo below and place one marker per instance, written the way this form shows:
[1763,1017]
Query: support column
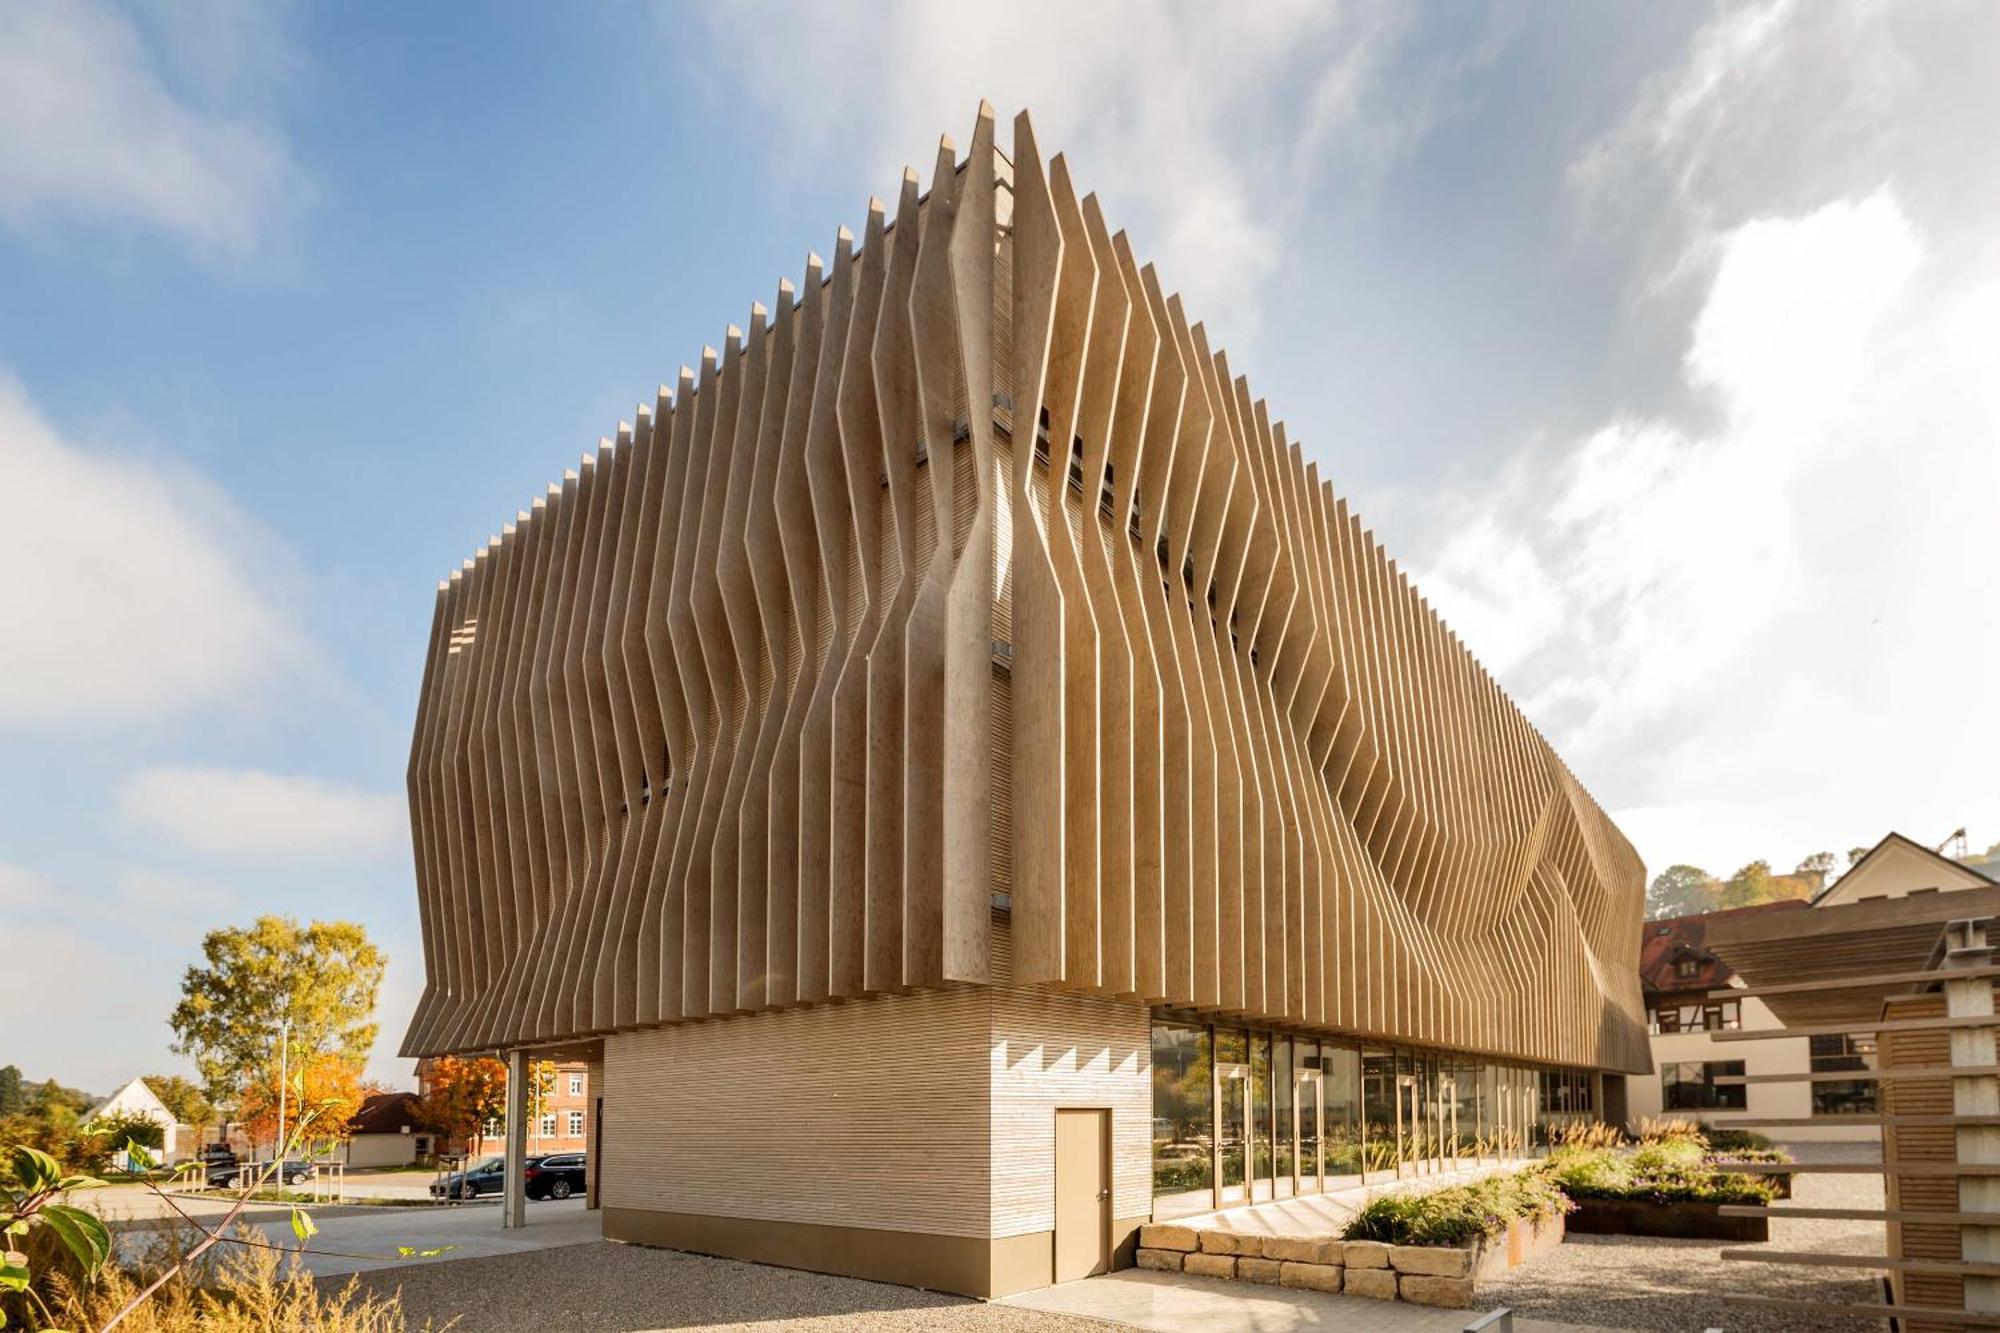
[514,1196]
[1967,947]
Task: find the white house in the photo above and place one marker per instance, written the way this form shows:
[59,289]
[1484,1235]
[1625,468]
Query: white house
[136,1099]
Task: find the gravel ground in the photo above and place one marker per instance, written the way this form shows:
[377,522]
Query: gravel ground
[1674,1285]
[602,1287]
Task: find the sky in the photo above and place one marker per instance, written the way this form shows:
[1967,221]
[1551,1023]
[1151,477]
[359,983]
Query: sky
[1661,344]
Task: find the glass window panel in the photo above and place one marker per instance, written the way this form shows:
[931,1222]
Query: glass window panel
[1311,1110]
[1341,1069]
[1832,1055]
[1183,1112]
[1688,1086]
[1283,1090]
[1233,1133]
[1261,1113]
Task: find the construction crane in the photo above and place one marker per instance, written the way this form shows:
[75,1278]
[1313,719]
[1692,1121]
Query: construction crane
[1957,840]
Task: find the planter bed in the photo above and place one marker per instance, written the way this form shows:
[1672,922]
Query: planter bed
[1439,1275]
[1644,1217]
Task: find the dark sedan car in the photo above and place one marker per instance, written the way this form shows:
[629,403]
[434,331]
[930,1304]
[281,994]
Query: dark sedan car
[485,1178]
[224,1173]
[556,1176]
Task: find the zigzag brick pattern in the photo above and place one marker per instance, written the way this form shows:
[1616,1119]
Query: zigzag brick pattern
[971,575]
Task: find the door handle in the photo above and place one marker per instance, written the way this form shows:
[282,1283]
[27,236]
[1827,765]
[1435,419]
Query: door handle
[1102,1195]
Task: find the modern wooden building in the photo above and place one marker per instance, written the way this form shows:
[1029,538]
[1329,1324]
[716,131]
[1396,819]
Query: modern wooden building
[951,762]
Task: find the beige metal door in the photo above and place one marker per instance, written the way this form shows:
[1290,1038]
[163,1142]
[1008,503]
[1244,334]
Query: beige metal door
[1083,1193]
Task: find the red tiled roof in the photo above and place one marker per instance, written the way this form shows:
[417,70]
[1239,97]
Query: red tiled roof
[1665,943]
[385,1113]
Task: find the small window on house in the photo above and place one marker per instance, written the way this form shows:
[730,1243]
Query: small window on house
[1692,1087]
[1687,967]
[549,1125]
[576,1085]
[576,1124]
[1838,1054]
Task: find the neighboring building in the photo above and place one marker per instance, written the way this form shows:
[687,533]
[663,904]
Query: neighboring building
[963,698]
[136,1099]
[1678,971]
[559,1123]
[385,1132]
[1896,867]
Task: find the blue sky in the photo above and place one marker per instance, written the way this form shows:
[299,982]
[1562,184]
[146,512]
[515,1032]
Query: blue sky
[1658,342]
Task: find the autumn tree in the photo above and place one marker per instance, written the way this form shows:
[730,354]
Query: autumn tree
[1681,890]
[183,1099]
[465,1096]
[321,1093]
[322,977]
[541,1089]
[1819,863]
[1751,885]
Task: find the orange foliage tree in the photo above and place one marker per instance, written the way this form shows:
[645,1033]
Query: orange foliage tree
[322,1094]
[465,1097]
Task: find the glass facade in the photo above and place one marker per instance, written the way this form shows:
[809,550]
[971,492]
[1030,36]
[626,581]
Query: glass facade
[1183,1121]
[1245,1115]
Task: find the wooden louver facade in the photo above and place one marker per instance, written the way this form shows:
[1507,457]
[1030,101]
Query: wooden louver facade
[970,575]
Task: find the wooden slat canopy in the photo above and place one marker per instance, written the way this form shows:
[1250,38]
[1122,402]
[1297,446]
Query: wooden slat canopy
[971,568]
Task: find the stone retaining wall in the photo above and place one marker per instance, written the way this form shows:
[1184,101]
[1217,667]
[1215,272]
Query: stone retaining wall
[1422,1274]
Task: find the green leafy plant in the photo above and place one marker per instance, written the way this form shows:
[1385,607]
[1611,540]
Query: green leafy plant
[1457,1215]
[1656,1173]
[31,1195]
[1770,1156]
[1722,1139]
[253,1287]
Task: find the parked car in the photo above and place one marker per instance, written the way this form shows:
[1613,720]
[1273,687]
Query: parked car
[230,1171]
[485,1178]
[556,1176]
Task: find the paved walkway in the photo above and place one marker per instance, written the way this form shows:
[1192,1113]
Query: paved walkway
[358,1240]
[1178,1303]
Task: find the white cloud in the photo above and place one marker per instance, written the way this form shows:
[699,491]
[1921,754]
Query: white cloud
[126,592]
[22,889]
[153,890]
[1199,124]
[103,118]
[264,816]
[1761,624]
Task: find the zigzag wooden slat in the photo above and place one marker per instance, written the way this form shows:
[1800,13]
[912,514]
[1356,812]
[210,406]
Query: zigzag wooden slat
[973,574]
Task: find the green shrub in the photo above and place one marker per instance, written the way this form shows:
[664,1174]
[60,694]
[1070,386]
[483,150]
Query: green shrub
[1723,1140]
[1457,1215]
[1681,1154]
[1722,1157]
[1657,1173]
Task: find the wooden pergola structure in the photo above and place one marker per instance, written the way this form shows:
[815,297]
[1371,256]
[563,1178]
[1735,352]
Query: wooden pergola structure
[1917,973]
